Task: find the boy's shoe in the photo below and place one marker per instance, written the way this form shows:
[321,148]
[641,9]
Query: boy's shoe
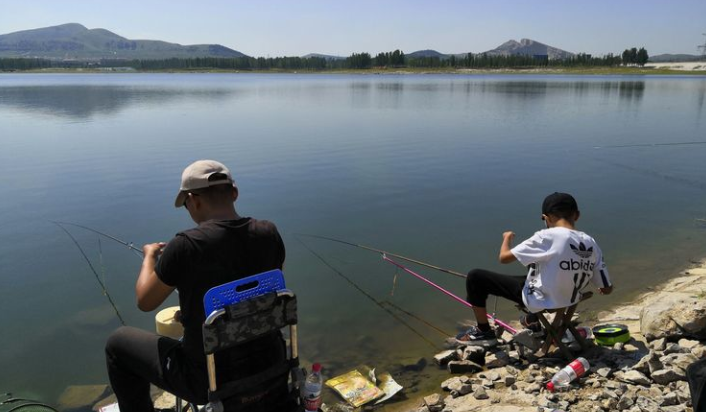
[476,337]
[531,322]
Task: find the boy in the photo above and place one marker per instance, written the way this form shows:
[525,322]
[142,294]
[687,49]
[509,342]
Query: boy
[561,262]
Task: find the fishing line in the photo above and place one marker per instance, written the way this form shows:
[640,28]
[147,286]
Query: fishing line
[652,173]
[95,273]
[367,295]
[413,316]
[372,249]
[456,298]
[122,242]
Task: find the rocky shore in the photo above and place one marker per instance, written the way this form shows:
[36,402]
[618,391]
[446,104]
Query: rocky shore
[645,374]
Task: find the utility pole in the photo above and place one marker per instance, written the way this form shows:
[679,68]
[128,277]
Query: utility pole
[703,49]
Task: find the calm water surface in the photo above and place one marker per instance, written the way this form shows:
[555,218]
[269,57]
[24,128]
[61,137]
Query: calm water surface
[434,166]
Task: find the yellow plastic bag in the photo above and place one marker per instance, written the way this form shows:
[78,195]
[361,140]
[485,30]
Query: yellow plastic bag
[355,388]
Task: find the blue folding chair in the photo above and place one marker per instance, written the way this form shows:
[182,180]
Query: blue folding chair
[241,311]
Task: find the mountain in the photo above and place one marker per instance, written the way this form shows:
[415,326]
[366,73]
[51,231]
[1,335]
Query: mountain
[528,47]
[74,41]
[324,56]
[663,58]
[427,53]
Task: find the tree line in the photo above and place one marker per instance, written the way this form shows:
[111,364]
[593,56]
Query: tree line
[356,61]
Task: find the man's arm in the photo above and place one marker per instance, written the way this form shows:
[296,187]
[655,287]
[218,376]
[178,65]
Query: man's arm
[506,255]
[149,289]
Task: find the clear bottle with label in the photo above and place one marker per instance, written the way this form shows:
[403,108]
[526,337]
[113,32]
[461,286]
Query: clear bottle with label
[311,391]
[584,331]
[569,373]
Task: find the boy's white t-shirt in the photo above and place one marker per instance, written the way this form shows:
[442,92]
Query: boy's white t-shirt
[561,263]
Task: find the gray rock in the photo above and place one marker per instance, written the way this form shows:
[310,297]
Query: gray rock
[674,315]
[434,402]
[442,358]
[668,375]
[450,383]
[688,343]
[509,380]
[647,405]
[604,372]
[609,404]
[674,348]
[474,354]
[618,346]
[480,393]
[670,399]
[682,360]
[699,351]
[463,367]
[497,360]
[625,402]
[658,344]
[488,383]
[533,388]
[633,376]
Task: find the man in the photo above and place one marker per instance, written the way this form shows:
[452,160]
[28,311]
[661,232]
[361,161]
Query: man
[222,247]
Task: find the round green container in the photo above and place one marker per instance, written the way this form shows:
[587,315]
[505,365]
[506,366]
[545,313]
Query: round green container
[609,335]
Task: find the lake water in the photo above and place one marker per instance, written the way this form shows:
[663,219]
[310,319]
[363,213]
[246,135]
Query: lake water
[434,167]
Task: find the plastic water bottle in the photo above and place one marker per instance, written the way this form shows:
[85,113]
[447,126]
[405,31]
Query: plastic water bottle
[584,331]
[311,393]
[571,372]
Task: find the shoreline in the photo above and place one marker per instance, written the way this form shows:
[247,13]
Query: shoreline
[667,69]
[690,280]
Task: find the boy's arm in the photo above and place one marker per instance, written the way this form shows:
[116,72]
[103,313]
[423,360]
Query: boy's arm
[601,277]
[506,255]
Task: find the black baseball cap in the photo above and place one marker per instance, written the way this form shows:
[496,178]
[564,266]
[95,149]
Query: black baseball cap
[559,202]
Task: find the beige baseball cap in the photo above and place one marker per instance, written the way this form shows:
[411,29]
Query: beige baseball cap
[196,176]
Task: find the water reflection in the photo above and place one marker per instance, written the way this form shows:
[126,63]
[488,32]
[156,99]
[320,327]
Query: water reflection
[82,103]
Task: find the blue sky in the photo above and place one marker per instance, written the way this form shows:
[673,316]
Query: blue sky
[298,27]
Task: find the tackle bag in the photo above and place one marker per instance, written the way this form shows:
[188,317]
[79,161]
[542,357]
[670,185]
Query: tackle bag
[9,403]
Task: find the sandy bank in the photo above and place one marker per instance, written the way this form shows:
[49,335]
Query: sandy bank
[683,66]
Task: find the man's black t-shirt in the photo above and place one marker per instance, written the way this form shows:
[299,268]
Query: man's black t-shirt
[211,254]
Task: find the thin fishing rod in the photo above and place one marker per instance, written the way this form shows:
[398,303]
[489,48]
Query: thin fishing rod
[620,146]
[122,242]
[367,295]
[95,273]
[383,252]
[456,298]
[417,318]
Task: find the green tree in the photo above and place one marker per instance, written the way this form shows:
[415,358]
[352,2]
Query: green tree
[642,56]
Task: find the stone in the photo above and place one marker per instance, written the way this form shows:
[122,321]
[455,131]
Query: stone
[474,354]
[647,405]
[450,383]
[618,346]
[673,348]
[681,360]
[633,376]
[658,344]
[667,375]
[434,402]
[498,359]
[509,380]
[625,402]
[609,404]
[533,388]
[442,358]
[699,351]
[480,393]
[670,399]
[688,343]
[463,367]
[604,372]
[674,315]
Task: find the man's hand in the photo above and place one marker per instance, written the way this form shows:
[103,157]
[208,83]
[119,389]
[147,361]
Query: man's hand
[509,236]
[606,291]
[153,250]
[506,255]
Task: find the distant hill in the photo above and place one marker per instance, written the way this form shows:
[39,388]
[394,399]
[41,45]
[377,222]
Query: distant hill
[74,41]
[528,47]
[427,53]
[324,56]
[664,58]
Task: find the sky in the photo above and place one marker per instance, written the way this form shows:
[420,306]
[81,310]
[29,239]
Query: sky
[337,27]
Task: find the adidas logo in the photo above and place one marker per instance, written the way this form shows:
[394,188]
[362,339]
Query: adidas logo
[581,250]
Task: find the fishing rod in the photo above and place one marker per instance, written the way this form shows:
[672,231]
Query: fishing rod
[95,273]
[122,242]
[383,252]
[367,295]
[456,298]
[620,146]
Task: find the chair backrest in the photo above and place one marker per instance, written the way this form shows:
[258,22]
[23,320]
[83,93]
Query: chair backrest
[241,311]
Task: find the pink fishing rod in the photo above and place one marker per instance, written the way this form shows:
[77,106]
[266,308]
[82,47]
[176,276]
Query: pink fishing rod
[456,298]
